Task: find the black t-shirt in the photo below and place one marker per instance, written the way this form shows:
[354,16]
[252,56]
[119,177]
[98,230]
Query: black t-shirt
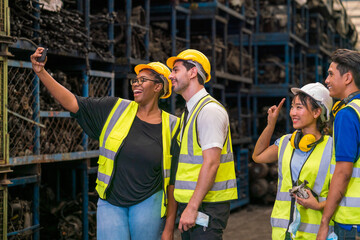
[137,169]
[138,165]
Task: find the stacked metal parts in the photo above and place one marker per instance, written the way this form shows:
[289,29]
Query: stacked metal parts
[293,42]
[20,102]
[258,49]
[263,178]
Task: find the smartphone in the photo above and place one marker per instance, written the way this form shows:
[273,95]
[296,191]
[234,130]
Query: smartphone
[43,56]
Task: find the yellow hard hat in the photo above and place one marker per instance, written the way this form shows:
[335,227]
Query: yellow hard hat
[193,55]
[162,70]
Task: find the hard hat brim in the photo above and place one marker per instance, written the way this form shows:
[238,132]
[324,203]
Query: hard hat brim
[140,67]
[171,60]
[298,90]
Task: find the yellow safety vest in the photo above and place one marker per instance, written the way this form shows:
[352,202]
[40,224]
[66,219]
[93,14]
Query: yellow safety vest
[115,130]
[191,159]
[316,171]
[348,211]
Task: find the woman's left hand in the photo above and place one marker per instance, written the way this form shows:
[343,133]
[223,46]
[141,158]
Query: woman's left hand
[310,202]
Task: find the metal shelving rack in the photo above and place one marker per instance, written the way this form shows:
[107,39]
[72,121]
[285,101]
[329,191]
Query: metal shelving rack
[223,25]
[320,50]
[125,64]
[93,70]
[179,19]
[5,40]
[242,177]
[291,48]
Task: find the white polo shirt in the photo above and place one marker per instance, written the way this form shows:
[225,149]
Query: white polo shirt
[212,122]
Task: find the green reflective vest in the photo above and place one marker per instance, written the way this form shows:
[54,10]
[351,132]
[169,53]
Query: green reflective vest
[348,211]
[115,130]
[191,159]
[316,170]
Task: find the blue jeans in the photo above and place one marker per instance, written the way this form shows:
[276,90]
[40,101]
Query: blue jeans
[137,222]
[344,234]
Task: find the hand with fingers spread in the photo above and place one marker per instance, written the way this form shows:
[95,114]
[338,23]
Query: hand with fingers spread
[37,66]
[273,113]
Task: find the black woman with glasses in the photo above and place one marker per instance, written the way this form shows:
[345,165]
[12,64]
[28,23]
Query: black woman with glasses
[135,180]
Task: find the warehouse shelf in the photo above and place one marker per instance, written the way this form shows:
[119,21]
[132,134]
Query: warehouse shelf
[266,39]
[49,158]
[242,177]
[236,45]
[232,77]
[130,25]
[21,45]
[283,33]
[213,8]
[321,35]
[178,20]
[24,180]
[90,67]
[19,182]
[318,65]
[133,55]
[217,30]
[266,96]
[104,82]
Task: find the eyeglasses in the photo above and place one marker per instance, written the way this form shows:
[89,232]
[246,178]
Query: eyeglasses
[141,80]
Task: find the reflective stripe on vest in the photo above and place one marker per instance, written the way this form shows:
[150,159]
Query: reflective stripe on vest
[108,154]
[348,211]
[199,159]
[317,173]
[114,132]
[191,160]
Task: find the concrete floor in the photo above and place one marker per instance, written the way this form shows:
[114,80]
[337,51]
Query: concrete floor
[251,222]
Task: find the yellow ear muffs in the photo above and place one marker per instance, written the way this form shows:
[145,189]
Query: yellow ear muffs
[307,142]
[295,139]
[304,143]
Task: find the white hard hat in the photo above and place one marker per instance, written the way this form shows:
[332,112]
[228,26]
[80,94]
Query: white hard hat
[320,94]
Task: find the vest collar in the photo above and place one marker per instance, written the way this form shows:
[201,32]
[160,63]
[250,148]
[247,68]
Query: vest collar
[195,99]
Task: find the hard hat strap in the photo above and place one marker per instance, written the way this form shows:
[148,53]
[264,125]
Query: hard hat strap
[324,112]
[165,84]
[199,68]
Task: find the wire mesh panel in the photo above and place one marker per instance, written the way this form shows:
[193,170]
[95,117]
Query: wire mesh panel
[98,87]
[21,88]
[72,82]
[61,135]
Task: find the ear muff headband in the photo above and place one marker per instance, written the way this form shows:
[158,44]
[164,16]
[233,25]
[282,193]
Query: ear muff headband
[341,104]
[304,143]
[337,107]
[295,139]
